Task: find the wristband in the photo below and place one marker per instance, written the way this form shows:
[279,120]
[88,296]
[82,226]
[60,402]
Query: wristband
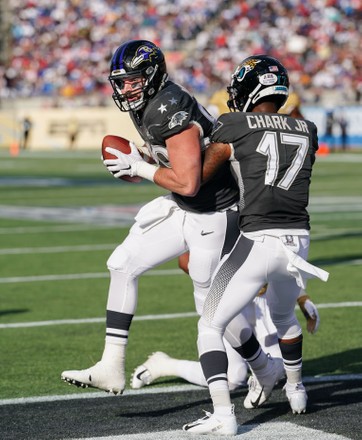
[144,170]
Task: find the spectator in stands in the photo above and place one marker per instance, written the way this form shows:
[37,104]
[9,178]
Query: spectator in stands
[63,47]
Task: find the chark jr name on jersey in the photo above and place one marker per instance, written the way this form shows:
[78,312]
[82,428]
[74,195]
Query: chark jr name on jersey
[276,122]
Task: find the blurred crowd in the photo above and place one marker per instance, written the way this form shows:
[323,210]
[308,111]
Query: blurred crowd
[62,49]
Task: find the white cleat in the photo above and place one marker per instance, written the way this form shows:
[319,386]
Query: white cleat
[102,376]
[261,389]
[297,397]
[214,424]
[149,371]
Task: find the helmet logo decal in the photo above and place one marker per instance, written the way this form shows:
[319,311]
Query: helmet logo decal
[177,119]
[273,69]
[144,53]
[245,68]
[268,79]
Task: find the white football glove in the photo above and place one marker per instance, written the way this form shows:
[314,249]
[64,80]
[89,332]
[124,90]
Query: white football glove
[130,164]
[310,312]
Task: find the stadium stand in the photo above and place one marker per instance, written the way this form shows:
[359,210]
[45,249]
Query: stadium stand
[56,55]
[62,49]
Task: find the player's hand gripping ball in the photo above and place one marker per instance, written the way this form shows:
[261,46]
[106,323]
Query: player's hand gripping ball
[123,147]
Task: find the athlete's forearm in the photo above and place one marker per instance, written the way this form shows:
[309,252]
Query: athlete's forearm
[216,154]
[180,184]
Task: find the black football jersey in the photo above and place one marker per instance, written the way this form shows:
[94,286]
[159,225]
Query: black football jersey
[274,155]
[169,112]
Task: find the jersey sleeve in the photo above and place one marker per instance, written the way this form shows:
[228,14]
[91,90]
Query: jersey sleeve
[224,129]
[172,114]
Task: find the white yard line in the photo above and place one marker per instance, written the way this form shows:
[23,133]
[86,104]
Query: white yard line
[57,249]
[147,317]
[96,320]
[81,276]
[156,389]
[56,228]
[163,272]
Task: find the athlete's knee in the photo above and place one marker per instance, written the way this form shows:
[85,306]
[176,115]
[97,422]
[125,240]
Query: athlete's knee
[123,260]
[287,326]
[201,266]
[209,336]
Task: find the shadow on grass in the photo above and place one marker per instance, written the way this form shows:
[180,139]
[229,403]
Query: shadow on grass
[347,362]
[13,312]
[337,260]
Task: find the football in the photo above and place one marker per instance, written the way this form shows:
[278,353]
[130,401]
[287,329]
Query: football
[121,144]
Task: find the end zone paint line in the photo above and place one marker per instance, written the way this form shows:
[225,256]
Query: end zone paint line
[269,430]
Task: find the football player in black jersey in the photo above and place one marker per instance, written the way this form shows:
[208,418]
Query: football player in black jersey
[201,219]
[272,157]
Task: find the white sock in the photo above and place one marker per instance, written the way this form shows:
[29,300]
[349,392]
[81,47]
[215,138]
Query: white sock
[294,376]
[190,371]
[114,354]
[220,395]
[224,410]
[260,365]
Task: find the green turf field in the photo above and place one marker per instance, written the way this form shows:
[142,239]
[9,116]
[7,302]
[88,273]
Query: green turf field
[54,243]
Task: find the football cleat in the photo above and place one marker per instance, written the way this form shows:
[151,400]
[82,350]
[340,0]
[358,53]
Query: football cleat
[260,389]
[149,371]
[214,424]
[297,397]
[101,375]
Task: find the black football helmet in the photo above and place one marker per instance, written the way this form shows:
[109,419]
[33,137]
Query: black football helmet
[137,58]
[257,78]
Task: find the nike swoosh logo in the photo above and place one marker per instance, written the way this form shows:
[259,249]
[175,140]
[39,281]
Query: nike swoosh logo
[195,423]
[256,402]
[206,232]
[140,374]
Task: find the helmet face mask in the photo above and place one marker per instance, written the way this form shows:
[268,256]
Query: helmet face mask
[258,78]
[128,92]
[137,59]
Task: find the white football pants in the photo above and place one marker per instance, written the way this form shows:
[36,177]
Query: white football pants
[162,232]
[276,260]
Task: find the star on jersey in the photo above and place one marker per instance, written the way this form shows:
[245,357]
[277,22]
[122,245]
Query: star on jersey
[162,108]
[173,100]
